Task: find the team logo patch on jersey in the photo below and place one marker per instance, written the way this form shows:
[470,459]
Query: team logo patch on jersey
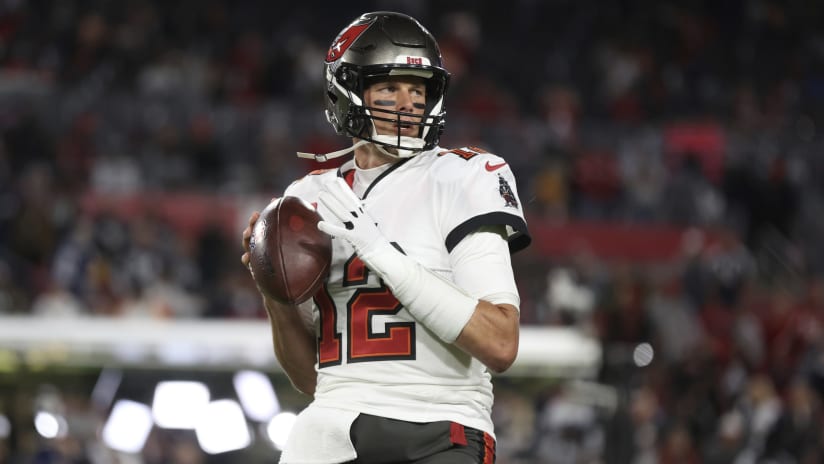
[506,192]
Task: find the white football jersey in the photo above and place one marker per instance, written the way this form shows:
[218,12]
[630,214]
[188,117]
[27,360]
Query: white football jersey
[373,357]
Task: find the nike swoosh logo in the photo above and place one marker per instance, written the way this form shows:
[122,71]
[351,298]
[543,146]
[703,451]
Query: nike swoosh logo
[493,167]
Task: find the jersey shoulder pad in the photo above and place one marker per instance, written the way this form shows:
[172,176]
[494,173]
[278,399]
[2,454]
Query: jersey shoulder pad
[465,161]
[318,172]
[465,153]
[309,184]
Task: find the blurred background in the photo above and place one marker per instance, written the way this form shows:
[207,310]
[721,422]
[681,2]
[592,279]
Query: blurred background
[666,152]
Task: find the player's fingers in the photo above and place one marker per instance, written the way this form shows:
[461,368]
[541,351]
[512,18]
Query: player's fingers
[245,260]
[338,188]
[253,218]
[345,193]
[246,237]
[331,229]
[331,203]
[247,232]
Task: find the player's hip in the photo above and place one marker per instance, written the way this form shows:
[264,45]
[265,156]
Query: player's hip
[380,440]
[323,434]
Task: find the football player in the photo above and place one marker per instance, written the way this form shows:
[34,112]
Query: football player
[420,303]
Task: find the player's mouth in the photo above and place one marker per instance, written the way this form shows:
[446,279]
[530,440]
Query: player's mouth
[405,126]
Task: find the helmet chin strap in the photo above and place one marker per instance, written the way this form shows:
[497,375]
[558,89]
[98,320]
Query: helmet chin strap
[381,142]
[386,152]
[323,157]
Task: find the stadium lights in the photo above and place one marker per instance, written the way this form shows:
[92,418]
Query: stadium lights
[256,394]
[128,426]
[222,427]
[643,354]
[50,425]
[177,404]
[279,428]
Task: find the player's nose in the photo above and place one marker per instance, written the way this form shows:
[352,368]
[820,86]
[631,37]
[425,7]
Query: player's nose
[405,102]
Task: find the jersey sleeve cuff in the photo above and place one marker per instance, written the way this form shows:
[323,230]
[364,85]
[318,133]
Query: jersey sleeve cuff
[518,235]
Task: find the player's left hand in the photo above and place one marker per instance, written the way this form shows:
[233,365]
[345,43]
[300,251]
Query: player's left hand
[356,225]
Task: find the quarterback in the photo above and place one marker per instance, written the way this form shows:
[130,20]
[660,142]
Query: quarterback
[420,303]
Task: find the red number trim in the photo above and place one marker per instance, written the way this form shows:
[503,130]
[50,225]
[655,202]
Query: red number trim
[329,346]
[396,342]
[468,153]
[355,272]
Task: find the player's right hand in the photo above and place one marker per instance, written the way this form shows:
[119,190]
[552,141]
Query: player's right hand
[247,237]
[351,221]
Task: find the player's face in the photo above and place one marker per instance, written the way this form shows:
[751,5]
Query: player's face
[406,94]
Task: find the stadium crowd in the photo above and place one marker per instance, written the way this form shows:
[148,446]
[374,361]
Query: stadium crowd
[133,131]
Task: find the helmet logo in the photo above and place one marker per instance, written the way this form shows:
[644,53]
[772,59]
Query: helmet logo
[344,40]
[414,60]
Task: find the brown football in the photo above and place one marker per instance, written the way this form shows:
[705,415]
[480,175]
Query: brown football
[289,256]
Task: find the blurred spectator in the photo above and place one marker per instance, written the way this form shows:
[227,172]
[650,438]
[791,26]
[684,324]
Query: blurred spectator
[570,303]
[514,417]
[796,434]
[55,302]
[727,444]
[633,431]
[12,299]
[761,408]
[551,191]
[596,186]
[567,430]
[690,197]
[674,320]
[644,177]
[622,323]
[678,447]
[561,110]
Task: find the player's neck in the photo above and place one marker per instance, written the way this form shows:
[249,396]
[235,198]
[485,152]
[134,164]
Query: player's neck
[367,156]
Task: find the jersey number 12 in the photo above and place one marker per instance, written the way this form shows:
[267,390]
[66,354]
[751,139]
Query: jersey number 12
[395,342]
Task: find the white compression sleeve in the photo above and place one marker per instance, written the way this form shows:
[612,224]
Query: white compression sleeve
[434,301]
[481,265]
